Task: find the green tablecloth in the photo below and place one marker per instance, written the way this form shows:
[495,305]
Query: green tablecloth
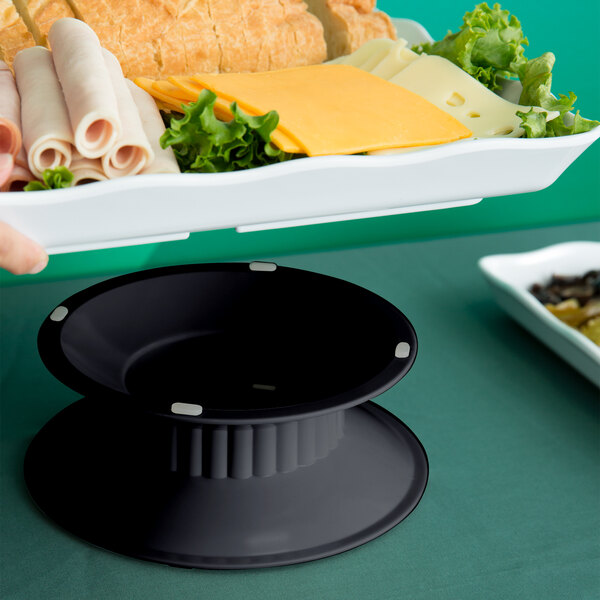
[511,431]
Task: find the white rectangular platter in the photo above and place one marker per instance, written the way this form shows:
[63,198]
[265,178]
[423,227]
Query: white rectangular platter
[148,208]
[511,276]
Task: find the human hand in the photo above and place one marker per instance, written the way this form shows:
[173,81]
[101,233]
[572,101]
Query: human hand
[18,254]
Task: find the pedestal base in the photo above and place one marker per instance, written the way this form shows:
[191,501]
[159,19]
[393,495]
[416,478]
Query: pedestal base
[89,473]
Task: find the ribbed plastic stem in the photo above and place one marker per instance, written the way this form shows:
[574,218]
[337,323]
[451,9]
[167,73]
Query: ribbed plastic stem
[244,451]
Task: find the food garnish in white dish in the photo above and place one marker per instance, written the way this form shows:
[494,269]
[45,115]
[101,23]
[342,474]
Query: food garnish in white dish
[435,94]
[575,300]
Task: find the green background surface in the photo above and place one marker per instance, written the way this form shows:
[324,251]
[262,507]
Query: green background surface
[511,432]
[570,31]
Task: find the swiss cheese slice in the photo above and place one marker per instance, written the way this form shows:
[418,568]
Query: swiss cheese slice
[456,92]
[338,109]
[382,57]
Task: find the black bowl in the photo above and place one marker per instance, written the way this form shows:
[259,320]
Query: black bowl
[240,340]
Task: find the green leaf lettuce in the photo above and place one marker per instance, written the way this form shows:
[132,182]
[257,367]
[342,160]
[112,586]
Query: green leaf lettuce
[53,179]
[536,79]
[204,144]
[488,45]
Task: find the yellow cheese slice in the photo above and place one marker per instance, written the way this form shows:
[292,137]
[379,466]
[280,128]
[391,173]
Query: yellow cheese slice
[171,102]
[187,86]
[338,109]
[187,95]
[169,89]
[173,97]
[182,90]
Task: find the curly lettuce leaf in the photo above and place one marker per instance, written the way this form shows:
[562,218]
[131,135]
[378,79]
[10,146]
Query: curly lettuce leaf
[533,123]
[204,144]
[489,44]
[53,179]
[536,79]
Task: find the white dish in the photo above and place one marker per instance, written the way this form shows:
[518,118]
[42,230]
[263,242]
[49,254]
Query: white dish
[511,276]
[148,208]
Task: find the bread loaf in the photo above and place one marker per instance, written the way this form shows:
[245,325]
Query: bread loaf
[14,34]
[180,37]
[160,38]
[40,14]
[348,24]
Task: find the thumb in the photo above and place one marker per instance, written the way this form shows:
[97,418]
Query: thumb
[19,254]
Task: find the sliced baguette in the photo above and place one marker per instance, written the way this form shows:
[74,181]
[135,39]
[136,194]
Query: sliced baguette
[130,29]
[348,24]
[159,38]
[14,34]
[265,35]
[183,37]
[189,43]
[40,14]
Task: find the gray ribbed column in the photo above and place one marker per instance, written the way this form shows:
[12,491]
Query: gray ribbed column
[241,463]
[261,450]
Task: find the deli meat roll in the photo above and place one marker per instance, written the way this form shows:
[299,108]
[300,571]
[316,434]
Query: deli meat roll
[47,134]
[132,151]
[20,175]
[86,170]
[87,87]
[17,180]
[10,113]
[164,159]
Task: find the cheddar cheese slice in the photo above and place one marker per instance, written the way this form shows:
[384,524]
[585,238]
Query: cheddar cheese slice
[176,91]
[189,88]
[163,99]
[338,109]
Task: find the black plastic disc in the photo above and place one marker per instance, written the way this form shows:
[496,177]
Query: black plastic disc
[220,334]
[85,470]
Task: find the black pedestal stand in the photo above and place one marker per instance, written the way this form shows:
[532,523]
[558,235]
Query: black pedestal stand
[246,475]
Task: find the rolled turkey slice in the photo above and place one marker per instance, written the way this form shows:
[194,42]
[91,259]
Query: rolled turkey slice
[47,133]
[164,159]
[10,113]
[17,180]
[87,86]
[21,158]
[132,150]
[86,170]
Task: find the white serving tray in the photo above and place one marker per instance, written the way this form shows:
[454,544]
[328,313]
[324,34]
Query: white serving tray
[150,208]
[511,275]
